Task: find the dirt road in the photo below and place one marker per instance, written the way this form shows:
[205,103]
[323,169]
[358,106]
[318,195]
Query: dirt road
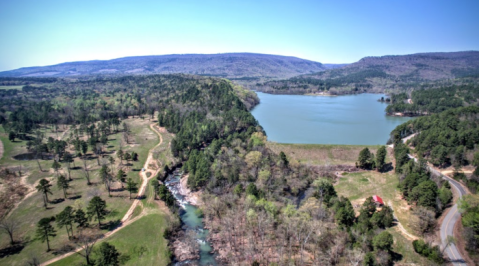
[126,220]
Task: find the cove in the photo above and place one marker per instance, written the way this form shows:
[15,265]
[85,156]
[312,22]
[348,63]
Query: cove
[358,119]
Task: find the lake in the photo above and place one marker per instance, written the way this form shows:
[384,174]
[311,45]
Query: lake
[351,119]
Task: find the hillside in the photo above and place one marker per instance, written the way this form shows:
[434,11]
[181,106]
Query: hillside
[381,74]
[239,66]
[424,101]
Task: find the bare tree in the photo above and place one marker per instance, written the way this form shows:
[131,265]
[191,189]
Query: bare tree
[33,260]
[9,226]
[355,256]
[85,244]
[87,173]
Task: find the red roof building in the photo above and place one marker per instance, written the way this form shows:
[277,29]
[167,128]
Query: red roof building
[378,200]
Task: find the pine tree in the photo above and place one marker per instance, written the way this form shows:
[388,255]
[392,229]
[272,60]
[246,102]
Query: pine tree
[56,165]
[63,184]
[97,209]
[45,230]
[108,255]
[80,218]
[66,219]
[380,158]
[131,186]
[44,187]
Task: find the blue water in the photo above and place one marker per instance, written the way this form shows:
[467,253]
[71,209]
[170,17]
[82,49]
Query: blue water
[192,221]
[351,119]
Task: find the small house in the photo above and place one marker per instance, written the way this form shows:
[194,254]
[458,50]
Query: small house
[378,200]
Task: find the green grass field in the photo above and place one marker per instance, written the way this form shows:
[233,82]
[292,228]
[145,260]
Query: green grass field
[31,210]
[142,240]
[358,186]
[321,154]
[11,87]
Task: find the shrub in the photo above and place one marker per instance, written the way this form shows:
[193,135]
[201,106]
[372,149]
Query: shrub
[433,253]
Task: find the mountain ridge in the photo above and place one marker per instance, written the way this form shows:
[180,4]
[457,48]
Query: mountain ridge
[228,65]
[383,73]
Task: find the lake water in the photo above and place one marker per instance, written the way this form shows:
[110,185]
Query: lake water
[351,119]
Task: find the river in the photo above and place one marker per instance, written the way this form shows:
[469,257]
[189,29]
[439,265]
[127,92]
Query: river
[350,119]
[192,220]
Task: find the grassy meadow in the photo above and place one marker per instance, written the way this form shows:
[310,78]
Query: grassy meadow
[321,154]
[30,210]
[360,185]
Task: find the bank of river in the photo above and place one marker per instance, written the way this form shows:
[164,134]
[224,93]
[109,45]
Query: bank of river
[350,119]
[192,220]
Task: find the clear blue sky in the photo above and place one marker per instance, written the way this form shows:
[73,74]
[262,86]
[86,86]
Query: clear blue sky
[44,32]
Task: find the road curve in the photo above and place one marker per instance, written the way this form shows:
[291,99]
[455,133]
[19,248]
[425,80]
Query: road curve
[447,226]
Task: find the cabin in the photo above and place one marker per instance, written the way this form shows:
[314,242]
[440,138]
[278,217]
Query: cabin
[379,202]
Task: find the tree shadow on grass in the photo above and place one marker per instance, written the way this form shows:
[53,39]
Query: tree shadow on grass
[63,249]
[387,167]
[11,250]
[56,201]
[111,225]
[396,256]
[74,197]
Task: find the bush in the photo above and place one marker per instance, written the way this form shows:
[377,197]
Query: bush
[433,253]
[383,241]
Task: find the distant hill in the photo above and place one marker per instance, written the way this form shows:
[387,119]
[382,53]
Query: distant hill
[380,74]
[235,66]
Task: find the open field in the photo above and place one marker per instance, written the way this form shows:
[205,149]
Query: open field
[31,210]
[163,153]
[142,240]
[11,87]
[404,247]
[358,186]
[321,154]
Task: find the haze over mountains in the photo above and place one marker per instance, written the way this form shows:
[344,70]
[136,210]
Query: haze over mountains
[246,66]
[282,74]
[379,74]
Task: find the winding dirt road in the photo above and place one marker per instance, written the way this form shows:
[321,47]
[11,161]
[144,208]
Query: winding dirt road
[126,220]
[400,227]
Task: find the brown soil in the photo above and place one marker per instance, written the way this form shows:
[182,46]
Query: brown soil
[12,192]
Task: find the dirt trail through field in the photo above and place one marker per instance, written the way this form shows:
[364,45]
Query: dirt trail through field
[24,179]
[401,228]
[126,220]
[31,190]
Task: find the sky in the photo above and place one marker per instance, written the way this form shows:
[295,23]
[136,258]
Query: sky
[47,32]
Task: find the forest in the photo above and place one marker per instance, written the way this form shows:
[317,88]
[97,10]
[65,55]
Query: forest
[255,193]
[262,207]
[449,138]
[433,101]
